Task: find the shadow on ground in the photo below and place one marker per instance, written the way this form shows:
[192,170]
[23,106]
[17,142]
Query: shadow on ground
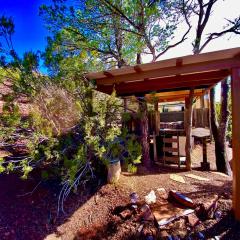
[33,216]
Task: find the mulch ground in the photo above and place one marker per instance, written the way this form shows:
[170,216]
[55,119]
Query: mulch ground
[89,213]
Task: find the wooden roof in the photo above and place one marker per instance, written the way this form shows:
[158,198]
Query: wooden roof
[194,71]
[173,96]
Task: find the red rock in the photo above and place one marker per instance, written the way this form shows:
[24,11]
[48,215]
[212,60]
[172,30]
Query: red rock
[125,214]
[193,220]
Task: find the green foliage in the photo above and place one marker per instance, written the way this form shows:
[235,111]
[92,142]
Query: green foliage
[10,116]
[131,168]
[126,117]
[75,131]
[111,32]
[2,168]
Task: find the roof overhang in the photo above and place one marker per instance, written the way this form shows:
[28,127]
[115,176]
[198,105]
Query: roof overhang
[194,71]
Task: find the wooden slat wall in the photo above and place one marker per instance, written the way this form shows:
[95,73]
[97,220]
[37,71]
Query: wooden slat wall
[201,117]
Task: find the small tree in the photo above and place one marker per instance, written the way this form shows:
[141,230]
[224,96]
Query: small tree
[76,131]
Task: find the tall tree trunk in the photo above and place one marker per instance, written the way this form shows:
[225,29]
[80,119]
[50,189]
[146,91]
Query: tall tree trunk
[219,130]
[144,134]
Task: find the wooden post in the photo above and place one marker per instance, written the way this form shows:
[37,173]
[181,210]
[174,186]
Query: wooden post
[154,147]
[209,116]
[144,133]
[205,165]
[156,106]
[236,140]
[188,128]
[125,104]
[157,119]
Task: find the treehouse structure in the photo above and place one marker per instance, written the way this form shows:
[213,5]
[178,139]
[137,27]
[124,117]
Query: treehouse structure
[180,80]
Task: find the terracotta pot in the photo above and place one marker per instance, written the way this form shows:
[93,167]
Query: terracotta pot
[114,171]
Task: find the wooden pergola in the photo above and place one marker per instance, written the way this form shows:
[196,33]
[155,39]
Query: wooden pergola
[175,79]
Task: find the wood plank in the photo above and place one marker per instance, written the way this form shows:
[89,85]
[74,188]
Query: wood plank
[170,140]
[177,178]
[169,149]
[196,177]
[170,71]
[236,140]
[190,59]
[173,159]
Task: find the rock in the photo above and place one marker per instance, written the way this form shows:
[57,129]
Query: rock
[134,197]
[218,215]
[149,231]
[176,238]
[145,214]
[140,228]
[179,228]
[162,193]
[193,220]
[149,238]
[144,208]
[163,235]
[125,214]
[200,235]
[148,216]
[207,209]
[52,236]
[151,197]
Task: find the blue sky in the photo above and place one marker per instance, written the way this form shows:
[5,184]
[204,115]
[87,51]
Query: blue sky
[30,33]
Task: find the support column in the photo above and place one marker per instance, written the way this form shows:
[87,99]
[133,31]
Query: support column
[156,106]
[144,133]
[236,140]
[209,116]
[188,128]
[125,104]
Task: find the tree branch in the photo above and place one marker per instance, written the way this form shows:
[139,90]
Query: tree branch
[233,29]
[175,44]
[118,11]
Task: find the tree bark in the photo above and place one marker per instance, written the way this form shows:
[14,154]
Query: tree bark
[144,134]
[219,130]
[188,128]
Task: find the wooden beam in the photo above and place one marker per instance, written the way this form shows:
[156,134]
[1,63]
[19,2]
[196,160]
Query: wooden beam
[107,74]
[153,85]
[137,69]
[179,62]
[188,127]
[236,140]
[173,93]
[159,83]
[170,71]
